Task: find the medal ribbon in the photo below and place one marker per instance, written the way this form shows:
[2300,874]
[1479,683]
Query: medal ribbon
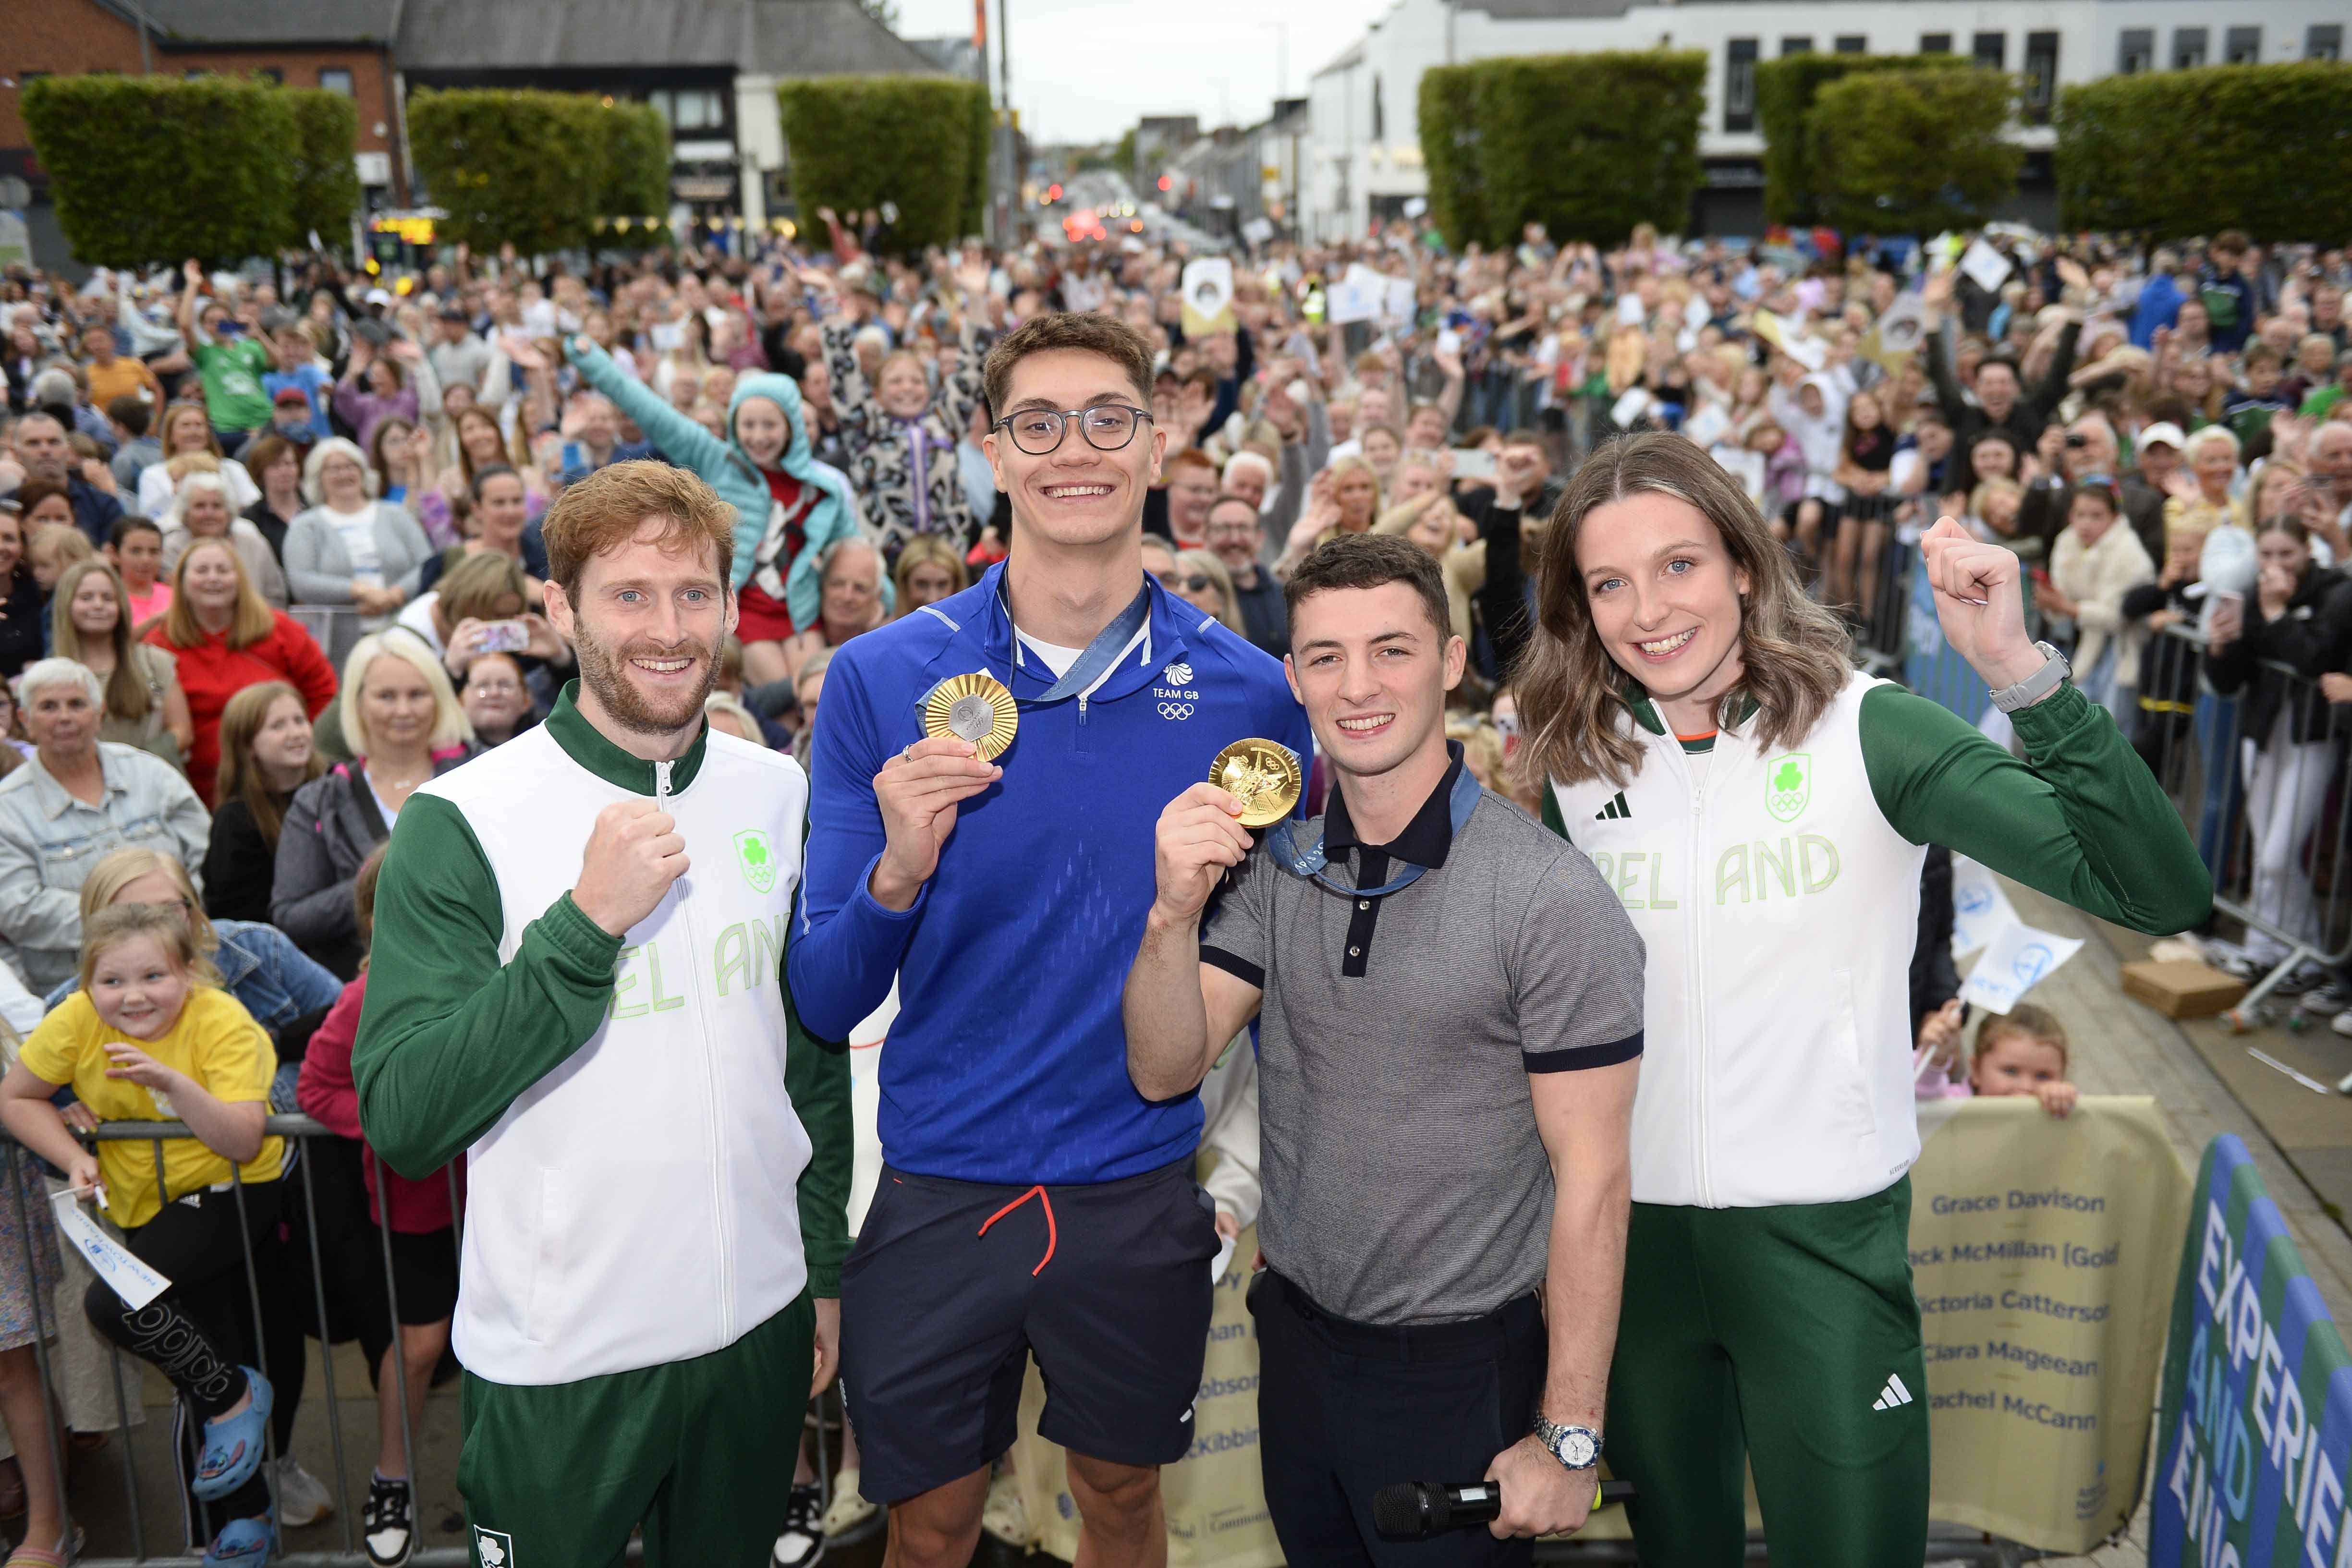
[1311,860]
[1100,654]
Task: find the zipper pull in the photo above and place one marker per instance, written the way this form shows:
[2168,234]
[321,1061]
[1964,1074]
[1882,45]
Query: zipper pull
[1082,707]
[661,780]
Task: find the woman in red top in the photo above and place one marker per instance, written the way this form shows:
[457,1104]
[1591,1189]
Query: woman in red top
[225,638]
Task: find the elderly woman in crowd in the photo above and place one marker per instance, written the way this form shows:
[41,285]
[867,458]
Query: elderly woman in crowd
[89,621]
[266,754]
[404,727]
[350,548]
[201,511]
[2201,500]
[77,798]
[224,638]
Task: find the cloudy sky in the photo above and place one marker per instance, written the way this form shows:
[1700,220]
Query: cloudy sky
[1085,70]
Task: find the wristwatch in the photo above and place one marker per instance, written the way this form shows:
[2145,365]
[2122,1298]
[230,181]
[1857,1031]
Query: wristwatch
[1576,1447]
[2035,686]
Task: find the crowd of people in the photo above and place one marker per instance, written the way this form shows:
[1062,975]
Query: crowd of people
[272,560]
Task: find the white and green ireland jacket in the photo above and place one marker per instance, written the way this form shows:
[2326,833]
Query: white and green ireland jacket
[1777,889]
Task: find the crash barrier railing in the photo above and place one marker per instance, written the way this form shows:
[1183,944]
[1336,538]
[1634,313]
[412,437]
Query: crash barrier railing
[152,1505]
[336,628]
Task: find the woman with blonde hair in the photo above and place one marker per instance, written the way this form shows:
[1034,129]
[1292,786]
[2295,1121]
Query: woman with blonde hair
[267,754]
[2200,498]
[1764,810]
[187,429]
[401,720]
[1345,498]
[929,570]
[200,510]
[222,637]
[89,622]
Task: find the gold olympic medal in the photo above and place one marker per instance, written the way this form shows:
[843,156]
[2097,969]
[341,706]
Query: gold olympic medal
[1265,776]
[975,707]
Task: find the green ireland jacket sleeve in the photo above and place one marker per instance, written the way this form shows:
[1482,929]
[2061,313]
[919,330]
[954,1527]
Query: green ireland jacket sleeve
[816,1076]
[450,1037]
[2081,819]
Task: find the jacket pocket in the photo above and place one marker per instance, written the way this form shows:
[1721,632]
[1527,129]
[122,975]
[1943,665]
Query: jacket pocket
[545,1298]
[1851,1067]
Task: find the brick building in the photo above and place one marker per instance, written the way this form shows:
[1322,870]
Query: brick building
[341,45]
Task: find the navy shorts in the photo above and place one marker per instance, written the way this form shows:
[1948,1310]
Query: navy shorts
[953,1284]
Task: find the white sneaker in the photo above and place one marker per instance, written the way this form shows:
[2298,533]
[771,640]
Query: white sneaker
[849,1507]
[802,1545]
[1005,1517]
[302,1497]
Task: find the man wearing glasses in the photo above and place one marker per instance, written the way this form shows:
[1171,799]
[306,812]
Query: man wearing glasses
[1033,1201]
[1238,536]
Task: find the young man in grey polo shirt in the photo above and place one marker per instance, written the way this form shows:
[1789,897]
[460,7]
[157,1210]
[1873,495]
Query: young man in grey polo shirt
[1450,1013]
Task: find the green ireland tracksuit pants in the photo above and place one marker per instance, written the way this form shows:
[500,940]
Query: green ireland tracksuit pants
[1788,1336]
[700,1452]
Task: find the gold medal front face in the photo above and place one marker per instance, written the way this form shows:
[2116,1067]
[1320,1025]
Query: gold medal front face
[1265,776]
[975,707]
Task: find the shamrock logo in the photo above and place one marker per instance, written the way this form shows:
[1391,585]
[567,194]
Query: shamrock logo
[1789,785]
[757,859]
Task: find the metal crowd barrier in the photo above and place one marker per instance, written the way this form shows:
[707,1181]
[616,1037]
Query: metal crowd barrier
[154,1542]
[336,628]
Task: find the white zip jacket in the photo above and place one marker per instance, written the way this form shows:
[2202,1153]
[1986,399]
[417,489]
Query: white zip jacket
[1777,889]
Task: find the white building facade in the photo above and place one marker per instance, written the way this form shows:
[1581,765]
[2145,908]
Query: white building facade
[1363,159]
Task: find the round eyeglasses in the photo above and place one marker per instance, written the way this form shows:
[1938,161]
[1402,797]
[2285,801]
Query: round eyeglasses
[1107,426]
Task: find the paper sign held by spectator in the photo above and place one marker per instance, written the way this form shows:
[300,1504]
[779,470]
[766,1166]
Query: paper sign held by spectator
[1208,296]
[125,1274]
[2015,960]
[1257,231]
[1979,908]
[1404,302]
[1357,297]
[1809,353]
[1986,267]
[1891,341]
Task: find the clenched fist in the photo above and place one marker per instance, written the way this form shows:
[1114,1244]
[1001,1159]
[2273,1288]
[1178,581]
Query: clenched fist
[633,856]
[1199,836]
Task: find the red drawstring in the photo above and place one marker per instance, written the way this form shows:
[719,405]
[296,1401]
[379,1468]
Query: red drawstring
[1052,1233]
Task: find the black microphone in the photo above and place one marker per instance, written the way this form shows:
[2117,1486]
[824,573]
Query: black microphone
[1415,1510]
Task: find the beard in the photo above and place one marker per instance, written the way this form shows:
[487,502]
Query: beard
[604,670]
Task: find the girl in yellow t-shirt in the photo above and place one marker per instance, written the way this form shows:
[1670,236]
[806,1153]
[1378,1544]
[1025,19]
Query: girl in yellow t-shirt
[151,1037]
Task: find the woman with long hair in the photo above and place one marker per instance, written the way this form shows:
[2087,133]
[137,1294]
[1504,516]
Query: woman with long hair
[2296,619]
[404,727]
[1764,810]
[1201,581]
[224,638]
[187,428]
[928,570]
[402,454]
[1344,498]
[265,756]
[476,442]
[277,465]
[89,621]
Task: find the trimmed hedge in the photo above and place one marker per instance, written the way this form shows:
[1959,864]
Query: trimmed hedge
[326,179]
[151,169]
[1448,109]
[983,159]
[1588,145]
[857,141]
[536,169]
[1785,91]
[2267,148]
[1915,151]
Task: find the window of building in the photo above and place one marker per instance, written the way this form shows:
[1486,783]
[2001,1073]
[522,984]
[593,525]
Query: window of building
[1992,50]
[689,107]
[195,73]
[2041,76]
[2243,47]
[1740,85]
[1935,43]
[336,81]
[2324,42]
[2188,48]
[1796,46]
[1380,111]
[2136,50]
[271,73]
[1852,43]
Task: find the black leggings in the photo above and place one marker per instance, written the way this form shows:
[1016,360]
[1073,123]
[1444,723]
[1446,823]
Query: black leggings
[196,1332]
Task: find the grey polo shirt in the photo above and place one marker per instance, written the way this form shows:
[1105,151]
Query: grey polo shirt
[1405,1181]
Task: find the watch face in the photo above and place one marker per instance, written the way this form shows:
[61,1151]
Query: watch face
[1576,1449]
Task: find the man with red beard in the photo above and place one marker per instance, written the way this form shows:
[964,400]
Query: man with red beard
[642,1311]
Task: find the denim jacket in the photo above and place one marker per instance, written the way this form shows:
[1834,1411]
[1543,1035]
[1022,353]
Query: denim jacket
[264,970]
[49,840]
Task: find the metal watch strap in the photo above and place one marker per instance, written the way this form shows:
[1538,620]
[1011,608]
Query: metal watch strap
[2035,686]
[1551,1435]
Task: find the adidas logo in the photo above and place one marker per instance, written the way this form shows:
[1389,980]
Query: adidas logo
[1892,1395]
[1614,811]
